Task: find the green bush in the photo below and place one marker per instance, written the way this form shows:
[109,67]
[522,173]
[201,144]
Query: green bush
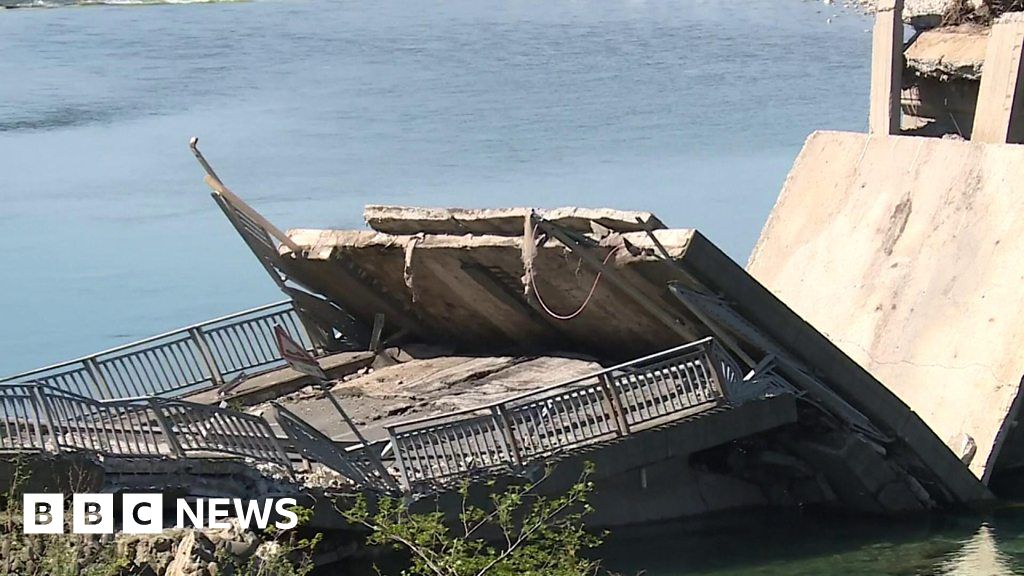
[518,533]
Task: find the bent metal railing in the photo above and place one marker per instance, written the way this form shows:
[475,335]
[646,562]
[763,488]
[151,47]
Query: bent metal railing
[42,418]
[181,361]
[352,463]
[530,427]
[428,453]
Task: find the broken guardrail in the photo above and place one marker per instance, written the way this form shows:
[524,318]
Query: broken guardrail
[41,418]
[37,417]
[353,463]
[429,453]
[510,434]
[189,359]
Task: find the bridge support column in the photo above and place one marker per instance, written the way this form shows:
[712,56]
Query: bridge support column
[886,68]
[997,118]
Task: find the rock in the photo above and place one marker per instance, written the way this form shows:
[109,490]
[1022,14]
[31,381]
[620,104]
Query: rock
[965,447]
[149,552]
[195,553]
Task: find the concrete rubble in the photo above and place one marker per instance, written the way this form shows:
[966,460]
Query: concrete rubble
[499,221]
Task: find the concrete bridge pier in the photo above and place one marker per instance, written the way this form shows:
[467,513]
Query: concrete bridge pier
[886,68]
[997,118]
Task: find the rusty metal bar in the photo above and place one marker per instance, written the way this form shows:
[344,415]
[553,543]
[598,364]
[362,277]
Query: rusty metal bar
[614,276]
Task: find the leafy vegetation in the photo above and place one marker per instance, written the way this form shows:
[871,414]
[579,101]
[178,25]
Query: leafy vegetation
[517,533]
[43,554]
[984,12]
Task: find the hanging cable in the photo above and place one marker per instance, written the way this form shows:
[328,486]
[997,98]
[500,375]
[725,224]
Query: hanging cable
[586,301]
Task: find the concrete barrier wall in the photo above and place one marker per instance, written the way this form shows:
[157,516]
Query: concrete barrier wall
[908,253]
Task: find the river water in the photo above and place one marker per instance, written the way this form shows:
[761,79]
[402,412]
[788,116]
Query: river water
[693,109]
[816,544]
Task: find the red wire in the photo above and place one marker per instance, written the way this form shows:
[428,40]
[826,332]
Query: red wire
[586,301]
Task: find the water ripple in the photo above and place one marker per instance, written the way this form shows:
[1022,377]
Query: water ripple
[62,117]
[11,4]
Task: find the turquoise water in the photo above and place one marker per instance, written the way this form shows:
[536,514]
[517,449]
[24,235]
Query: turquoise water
[811,544]
[693,109]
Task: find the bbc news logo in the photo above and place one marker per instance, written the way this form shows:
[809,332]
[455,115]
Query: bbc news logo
[144,513]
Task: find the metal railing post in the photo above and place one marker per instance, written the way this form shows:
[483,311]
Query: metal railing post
[43,409]
[317,334]
[165,427]
[286,462]
[403,475]
[501,420]
[608,387]
[102,390]
[204,352]
[710,356]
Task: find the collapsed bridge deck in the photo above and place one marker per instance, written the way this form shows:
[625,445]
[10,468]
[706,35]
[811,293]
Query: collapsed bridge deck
[564,287]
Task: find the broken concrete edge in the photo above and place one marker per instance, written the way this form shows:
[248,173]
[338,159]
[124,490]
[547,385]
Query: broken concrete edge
[318,244]
[411,220]
[949,52]
[854,384]
[272,384]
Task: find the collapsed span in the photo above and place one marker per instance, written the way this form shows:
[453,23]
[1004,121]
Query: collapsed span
[612,285]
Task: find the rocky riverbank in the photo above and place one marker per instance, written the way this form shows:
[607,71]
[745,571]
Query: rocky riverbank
[932,13]
[188,552]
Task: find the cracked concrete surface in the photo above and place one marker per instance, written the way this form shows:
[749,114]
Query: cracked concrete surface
[907,253]
[428,386]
